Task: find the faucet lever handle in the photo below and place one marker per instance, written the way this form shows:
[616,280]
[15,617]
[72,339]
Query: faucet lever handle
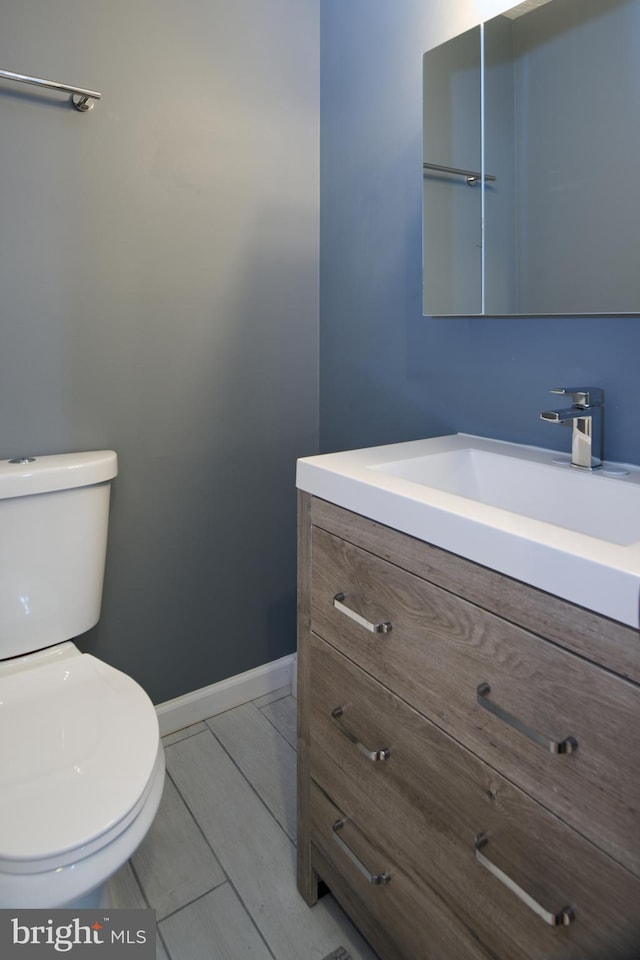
[582,396]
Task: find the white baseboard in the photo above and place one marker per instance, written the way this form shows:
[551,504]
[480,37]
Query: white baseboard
[208,701]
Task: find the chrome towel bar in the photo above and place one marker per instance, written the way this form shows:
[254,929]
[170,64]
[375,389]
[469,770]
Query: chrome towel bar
[81,99]
[470,175]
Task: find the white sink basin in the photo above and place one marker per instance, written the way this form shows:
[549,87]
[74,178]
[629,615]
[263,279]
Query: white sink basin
[521,510]
[594,504]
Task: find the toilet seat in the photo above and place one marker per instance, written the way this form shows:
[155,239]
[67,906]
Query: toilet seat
[79,745]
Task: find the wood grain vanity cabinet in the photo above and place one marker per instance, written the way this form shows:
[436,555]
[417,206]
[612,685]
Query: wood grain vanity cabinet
[469,753]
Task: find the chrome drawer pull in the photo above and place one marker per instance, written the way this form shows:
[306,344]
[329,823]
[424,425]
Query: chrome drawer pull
[568,745]
[338,602]
[370,754]
[377,879]
[560,919]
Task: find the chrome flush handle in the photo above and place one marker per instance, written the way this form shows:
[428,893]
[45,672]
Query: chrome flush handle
[562,918]
[340,606]
[377,879]
[383,754]
[568,745]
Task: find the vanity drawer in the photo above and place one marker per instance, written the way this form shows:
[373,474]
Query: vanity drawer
[441,650]
[428,800]
[418,924]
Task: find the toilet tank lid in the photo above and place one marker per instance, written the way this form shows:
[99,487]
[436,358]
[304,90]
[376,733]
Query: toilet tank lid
[23,476]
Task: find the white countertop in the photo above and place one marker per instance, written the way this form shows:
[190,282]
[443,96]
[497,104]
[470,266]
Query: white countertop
[599,571]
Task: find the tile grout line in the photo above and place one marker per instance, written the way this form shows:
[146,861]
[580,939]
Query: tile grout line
[244,775]
[204,837]
[146,900]
[251,918]
[187,736]
[214,887]
[229,883]
[200,896]
[163,942]
[228,878]
[140,887]
[269,720]
[269,698]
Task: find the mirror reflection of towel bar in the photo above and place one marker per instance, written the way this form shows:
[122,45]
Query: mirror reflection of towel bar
[470,175]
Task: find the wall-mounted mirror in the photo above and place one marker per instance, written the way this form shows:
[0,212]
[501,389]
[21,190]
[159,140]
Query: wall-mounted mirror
[531,139]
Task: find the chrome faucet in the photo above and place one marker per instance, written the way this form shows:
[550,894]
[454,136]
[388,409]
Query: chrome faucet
[586,418]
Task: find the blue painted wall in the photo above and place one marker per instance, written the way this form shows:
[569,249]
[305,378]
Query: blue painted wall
[387,373]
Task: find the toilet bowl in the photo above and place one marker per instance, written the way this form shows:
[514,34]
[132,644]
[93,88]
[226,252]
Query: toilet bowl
[81,761]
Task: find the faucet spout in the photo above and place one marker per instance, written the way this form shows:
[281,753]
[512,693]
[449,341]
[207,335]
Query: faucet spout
[564,416]
[586,418]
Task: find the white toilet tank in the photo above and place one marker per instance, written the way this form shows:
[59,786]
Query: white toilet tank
[54,513]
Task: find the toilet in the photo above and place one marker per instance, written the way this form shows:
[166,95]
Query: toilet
[81,762]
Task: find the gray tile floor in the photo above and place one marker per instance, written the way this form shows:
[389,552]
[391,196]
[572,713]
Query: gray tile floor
[218,865]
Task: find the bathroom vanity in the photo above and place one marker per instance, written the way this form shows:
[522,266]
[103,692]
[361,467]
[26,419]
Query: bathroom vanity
[469,756]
